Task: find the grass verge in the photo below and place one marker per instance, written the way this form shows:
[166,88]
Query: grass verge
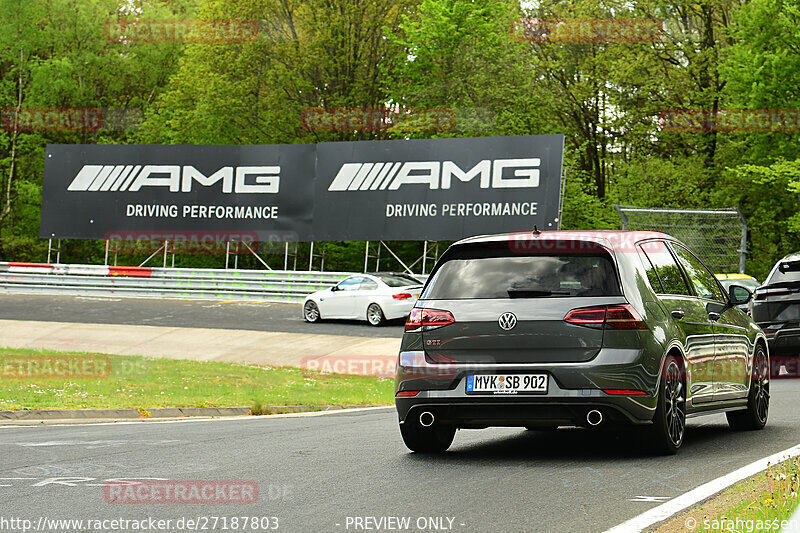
[764,502]
[32,379]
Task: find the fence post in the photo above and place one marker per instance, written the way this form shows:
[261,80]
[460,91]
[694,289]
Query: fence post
[742,242]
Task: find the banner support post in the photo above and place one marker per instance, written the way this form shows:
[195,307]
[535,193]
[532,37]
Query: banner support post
[105,261]
[286,256]
[166,249]
[366,258]
[311,256]
[424,255]
[49,247]
[227,253]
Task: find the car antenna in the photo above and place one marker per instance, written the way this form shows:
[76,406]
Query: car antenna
[536,230]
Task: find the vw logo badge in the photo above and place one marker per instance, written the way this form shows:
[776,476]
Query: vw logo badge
[507,321]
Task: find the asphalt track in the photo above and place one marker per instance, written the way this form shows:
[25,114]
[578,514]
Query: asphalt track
[180,314]
[315,472]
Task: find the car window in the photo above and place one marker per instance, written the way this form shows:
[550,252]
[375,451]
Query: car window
[397,280]
[749,284]
[650,270]
[524,276]
[704,282]
[669,273]
[368,285]
[350,284]
[786,271]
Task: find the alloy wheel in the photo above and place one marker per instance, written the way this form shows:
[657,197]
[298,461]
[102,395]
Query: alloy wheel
[675,403]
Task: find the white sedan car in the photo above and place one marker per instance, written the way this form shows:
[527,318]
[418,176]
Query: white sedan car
[375,298]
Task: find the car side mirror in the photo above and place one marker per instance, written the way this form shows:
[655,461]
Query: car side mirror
[334,288]
[739,295]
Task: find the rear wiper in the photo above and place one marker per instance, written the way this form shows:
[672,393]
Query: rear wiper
[534,293]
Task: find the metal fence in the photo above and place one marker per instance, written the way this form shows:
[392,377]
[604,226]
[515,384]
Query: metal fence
[195,283]
[718,236]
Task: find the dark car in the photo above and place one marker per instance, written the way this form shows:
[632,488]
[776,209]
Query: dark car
[776,306]
[558,328]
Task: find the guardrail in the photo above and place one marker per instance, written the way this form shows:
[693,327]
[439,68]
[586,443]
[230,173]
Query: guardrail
[145,282]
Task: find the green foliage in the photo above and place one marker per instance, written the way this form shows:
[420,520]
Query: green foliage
[769,197]
[606,97]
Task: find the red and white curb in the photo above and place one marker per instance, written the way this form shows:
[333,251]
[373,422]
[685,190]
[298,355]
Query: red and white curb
[84,270]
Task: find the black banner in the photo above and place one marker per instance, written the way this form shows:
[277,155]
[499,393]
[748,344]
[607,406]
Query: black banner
[178,192]
[436,189]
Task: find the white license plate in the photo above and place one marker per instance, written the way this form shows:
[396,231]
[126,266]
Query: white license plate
[507,383]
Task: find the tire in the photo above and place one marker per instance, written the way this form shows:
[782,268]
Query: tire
[757,412]
[311,312]
[375,315]
[669,422]
[434,439]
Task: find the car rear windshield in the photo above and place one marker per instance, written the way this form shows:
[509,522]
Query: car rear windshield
[787,272]
[496,276]
[397,280]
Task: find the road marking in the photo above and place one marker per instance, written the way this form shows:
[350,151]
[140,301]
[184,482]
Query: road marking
[37,423]
[703,492]
[650,499]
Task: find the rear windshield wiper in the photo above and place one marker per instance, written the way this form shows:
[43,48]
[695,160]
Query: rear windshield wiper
[534,293]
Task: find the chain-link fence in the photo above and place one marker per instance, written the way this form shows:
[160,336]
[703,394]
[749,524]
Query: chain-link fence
[717,236]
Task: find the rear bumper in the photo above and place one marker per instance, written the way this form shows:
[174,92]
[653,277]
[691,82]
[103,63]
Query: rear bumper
[573,390]
[394,309]
[783,341]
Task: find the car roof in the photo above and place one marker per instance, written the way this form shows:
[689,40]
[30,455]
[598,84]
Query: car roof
[795,256]
[733,276]
[614,240]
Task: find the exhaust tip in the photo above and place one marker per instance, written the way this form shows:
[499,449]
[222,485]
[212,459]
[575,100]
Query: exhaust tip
[426,419]
[594,417]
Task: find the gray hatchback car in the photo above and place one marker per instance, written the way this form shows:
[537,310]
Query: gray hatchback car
[556,328]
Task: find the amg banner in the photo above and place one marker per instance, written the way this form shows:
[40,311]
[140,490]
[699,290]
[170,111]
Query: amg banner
[435,189]
[177,192]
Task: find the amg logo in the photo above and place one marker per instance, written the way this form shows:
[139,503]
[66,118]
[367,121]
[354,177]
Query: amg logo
[436,174]
[244,180]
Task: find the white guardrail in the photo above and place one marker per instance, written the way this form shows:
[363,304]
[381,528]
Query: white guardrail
[145,282]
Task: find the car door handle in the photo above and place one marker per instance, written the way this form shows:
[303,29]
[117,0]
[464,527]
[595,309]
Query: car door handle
[714,316]
[678,314]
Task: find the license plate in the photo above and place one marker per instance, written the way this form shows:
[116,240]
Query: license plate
[507,383]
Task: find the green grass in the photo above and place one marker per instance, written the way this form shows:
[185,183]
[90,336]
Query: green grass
[143,383]
[776,500]
[760,503]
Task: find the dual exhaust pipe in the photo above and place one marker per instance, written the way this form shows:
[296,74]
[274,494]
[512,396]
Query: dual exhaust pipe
[593,418]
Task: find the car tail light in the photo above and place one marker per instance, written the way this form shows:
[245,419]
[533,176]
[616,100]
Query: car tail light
[428,319]
[606,317]
[401,296]
[407,394]
[625,392]
[761,294]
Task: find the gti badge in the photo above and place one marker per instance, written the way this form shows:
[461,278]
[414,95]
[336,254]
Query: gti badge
[507,321]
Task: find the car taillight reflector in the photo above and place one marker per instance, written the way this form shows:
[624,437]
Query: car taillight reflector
[625,392]
[401,296]
[762,294]
[606,317]
[407,394]
[428,319]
